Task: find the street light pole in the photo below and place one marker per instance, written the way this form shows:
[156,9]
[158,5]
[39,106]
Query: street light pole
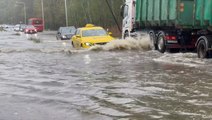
[43,17]
[22,3]
[66,13]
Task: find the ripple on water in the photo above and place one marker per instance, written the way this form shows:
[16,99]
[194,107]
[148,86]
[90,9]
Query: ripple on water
[115,100]
[111,112]
[52,83]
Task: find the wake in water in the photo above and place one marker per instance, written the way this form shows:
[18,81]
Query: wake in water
[188,59]
[33,37]
[143,43]
[17,33]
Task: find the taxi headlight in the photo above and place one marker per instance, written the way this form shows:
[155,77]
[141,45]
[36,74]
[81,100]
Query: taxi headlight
[63,36]
[88,44]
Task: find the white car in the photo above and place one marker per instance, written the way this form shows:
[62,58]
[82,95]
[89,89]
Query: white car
[19,27]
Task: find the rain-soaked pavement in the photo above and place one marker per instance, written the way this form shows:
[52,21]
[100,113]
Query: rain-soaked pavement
[46,79]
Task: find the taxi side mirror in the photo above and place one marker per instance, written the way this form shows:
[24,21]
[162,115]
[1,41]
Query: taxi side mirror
[78,36]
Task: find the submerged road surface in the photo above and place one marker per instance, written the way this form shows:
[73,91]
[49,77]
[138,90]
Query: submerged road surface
[45,79]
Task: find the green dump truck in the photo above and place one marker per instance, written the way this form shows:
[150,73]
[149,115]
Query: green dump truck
[171,24]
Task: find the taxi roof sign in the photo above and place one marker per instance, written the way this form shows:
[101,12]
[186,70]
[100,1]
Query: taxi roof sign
[89,25]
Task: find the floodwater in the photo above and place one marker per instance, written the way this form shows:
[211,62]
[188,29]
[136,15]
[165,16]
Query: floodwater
[45,79]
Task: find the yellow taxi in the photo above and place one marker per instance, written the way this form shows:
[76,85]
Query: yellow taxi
[90,35]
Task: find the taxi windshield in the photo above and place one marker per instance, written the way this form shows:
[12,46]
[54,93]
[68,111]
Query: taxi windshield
[94,32]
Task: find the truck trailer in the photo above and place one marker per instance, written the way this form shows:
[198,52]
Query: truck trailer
[171,24]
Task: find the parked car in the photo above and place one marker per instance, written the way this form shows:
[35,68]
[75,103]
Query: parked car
[7,27]
[19,27]
[91,35]
[30,29]
[65,33]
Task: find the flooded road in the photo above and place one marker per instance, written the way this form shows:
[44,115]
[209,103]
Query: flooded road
[46,79]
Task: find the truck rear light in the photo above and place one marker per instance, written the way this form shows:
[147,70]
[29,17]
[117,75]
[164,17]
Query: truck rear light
[170,37]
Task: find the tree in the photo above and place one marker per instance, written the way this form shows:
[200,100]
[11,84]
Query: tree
[80,12]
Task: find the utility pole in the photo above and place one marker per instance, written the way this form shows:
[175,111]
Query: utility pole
[66,13]
[22,3]
[43,17]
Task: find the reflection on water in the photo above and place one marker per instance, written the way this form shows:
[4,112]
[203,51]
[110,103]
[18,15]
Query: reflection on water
[51,80]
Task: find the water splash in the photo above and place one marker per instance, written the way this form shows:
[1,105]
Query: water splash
[143,43]
[73,51]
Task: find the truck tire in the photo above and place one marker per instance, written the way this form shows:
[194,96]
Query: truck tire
[202,49]
[161,43]
[152,37]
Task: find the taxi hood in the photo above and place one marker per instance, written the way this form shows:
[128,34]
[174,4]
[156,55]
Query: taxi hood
[97,39]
